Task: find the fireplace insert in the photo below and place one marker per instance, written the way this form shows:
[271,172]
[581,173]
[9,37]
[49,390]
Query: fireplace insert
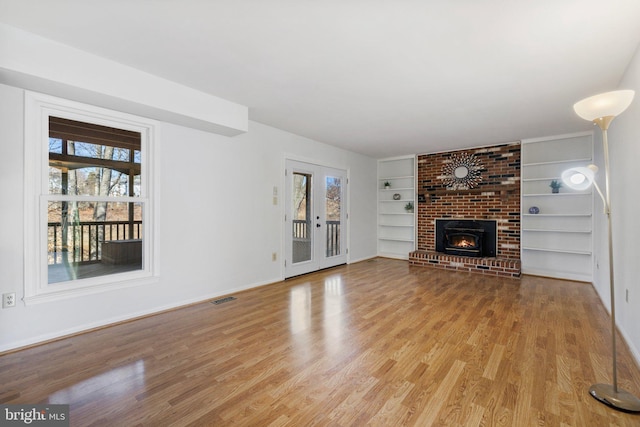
[473,238]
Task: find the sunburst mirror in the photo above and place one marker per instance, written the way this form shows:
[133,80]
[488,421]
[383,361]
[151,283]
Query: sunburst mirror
[462,172]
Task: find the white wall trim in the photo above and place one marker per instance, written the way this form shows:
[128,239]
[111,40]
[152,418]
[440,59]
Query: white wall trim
[16,345]
[475,147]
[353,261]
[556,137]
[635,352]
[26,58]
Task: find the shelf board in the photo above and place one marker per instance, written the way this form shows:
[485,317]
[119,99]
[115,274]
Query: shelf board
[396,189]
[556,230]
[397,201]
[551,178]
[555,194]
[392,213]
[558,215]
[558,162]
[561,251]
[396,177]
[395,225]
[395,239]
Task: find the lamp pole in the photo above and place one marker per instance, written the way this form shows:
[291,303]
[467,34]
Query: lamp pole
[613,103]
[610,394]
[607,206]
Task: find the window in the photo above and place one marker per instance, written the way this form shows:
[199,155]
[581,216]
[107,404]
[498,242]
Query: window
[88,184]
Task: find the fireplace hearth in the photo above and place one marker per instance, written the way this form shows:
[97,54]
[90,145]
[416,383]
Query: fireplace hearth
[472,238]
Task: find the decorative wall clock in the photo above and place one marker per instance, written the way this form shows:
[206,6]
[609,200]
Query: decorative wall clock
[462,172]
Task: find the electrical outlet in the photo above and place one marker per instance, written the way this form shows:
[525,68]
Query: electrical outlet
[274,256]
[9,300]
[626,297]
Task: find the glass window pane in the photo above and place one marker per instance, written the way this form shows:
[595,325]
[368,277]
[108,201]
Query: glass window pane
[55,145]
[302,235]
[92,160]
[93,181]
[89,239]
[333,191]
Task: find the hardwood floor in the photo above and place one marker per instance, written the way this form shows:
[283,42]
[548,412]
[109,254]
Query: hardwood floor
[374,343]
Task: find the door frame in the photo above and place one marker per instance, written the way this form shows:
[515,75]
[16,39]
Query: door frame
[345,235]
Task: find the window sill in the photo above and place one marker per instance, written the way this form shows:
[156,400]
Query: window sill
[52,294]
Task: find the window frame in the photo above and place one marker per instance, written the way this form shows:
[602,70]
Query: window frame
[38,109]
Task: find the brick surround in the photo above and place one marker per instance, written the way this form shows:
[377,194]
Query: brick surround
[497,197]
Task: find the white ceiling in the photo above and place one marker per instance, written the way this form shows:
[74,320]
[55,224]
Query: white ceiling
[378,77]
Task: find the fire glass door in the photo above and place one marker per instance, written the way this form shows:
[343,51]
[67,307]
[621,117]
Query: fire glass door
[315,218]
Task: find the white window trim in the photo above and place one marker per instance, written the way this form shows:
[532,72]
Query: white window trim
[38,108]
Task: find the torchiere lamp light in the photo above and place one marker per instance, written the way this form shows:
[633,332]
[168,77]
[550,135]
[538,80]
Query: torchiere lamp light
[601,110]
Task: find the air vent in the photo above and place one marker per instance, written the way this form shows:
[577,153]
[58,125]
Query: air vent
[222,300]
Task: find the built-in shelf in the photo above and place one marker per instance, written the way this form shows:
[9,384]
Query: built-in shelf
[549,178]
[560,251]
[396,226]
[556,194]
[389,178]
[559,215]
[396,213]
[558,240]
[395,239]
[558,162]
[555,230]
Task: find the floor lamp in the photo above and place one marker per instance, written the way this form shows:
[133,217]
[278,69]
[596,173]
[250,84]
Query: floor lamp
[601,110]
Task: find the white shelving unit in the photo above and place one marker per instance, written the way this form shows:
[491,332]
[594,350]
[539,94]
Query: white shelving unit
[396,226]
[557,241]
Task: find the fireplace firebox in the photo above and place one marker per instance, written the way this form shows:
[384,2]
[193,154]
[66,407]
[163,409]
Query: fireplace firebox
[473,238]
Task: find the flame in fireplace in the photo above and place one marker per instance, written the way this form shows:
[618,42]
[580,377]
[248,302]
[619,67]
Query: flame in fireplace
[463,242]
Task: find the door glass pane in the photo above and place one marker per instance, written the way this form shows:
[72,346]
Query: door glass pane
[333,205]
[302,233]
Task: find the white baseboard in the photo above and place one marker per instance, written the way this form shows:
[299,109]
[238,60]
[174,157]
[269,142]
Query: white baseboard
[15,345]
[353,261]
[627,339]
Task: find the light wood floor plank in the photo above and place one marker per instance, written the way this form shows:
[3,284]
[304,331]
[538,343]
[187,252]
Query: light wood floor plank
[374,343]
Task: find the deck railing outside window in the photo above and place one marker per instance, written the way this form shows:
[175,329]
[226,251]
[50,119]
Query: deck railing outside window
[85,241]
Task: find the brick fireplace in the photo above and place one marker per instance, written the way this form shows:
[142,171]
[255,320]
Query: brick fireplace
[488,190]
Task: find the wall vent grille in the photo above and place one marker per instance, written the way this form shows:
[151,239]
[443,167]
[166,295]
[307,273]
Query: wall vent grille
[222,300]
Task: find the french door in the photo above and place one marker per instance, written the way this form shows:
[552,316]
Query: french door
[315,218]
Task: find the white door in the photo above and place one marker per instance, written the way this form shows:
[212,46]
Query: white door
[315,218]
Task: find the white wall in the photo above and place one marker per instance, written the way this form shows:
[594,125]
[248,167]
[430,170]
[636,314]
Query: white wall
[26,58]
[624,149]
[218,226]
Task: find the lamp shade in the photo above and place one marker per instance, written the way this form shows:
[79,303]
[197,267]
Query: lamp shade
[579,178]
[604,105]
